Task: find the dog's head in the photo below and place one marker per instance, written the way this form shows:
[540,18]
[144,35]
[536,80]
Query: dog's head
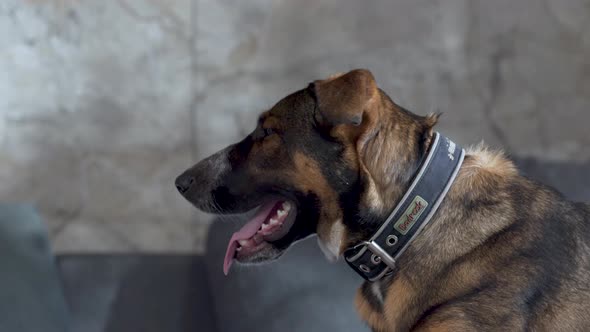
[325,160]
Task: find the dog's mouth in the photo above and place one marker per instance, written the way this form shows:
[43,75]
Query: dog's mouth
[271,223]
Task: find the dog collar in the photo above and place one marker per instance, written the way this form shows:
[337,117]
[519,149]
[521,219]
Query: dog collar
[377,257]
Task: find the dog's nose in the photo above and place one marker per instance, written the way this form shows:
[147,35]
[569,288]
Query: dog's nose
[184,183]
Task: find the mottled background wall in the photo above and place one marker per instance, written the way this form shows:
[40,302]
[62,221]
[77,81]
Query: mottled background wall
[103,103]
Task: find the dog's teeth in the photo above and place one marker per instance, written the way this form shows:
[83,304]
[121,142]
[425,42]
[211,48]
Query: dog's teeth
[243,243]
[238,248]
[273,221]
[286,206]
[264,226]
[281,213]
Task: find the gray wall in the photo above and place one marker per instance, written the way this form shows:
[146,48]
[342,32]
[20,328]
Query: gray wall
[103,103]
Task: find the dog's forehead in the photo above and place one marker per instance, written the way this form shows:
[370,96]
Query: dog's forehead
[297,104]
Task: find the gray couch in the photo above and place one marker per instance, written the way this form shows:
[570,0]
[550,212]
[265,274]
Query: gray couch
[190,293]
[128,293]
[174,293]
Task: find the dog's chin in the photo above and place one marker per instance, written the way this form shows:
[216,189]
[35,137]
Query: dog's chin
[267,252]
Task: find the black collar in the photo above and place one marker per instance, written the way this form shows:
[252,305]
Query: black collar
[376,257]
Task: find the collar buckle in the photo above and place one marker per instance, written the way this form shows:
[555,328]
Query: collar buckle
[380,255]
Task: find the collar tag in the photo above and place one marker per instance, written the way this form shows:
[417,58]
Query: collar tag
[409,218]
[377,257]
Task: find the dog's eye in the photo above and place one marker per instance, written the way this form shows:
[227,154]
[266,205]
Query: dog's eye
[267,131]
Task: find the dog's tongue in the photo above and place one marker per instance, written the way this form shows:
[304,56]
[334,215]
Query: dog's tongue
[245,233]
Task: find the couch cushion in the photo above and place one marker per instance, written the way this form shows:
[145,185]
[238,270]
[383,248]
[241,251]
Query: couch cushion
[570,178]
[123,293]
[31,295]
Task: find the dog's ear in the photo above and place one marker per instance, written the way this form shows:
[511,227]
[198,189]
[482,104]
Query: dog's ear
[342,99]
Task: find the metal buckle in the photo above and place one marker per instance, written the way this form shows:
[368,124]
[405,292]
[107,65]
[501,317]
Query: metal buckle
[379,253]
[377,250]
[373,247]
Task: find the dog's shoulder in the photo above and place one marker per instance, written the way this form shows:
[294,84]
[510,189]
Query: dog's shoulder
[485,172]
[484,158]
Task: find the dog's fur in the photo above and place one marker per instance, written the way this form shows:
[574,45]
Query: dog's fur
[502,252]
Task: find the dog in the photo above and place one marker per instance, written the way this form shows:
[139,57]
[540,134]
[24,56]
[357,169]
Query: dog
[500,253]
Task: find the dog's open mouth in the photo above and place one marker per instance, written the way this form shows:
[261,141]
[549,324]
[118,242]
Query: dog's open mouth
[271,222]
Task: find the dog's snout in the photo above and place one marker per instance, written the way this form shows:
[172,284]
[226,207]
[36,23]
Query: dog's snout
[184,182]
[199,183]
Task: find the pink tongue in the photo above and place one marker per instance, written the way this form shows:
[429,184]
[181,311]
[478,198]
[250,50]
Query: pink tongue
[245,233]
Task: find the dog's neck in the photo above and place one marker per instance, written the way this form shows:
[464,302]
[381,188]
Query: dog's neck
[391,156]
[373,257]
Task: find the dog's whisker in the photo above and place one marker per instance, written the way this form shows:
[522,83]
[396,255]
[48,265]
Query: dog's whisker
[215,205]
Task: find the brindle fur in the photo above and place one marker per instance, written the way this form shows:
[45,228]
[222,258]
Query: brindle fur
[502,253]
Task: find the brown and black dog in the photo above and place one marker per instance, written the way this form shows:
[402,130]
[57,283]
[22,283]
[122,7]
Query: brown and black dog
[502,252]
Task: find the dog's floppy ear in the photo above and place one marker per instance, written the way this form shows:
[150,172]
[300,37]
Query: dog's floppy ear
[343,99]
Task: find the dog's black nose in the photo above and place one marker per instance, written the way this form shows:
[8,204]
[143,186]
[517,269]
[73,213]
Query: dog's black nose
[184,183]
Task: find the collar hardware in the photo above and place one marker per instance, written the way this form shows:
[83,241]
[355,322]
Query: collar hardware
[374,258]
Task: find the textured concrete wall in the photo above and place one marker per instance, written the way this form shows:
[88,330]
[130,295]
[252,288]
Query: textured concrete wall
[95,115]
[102,103]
